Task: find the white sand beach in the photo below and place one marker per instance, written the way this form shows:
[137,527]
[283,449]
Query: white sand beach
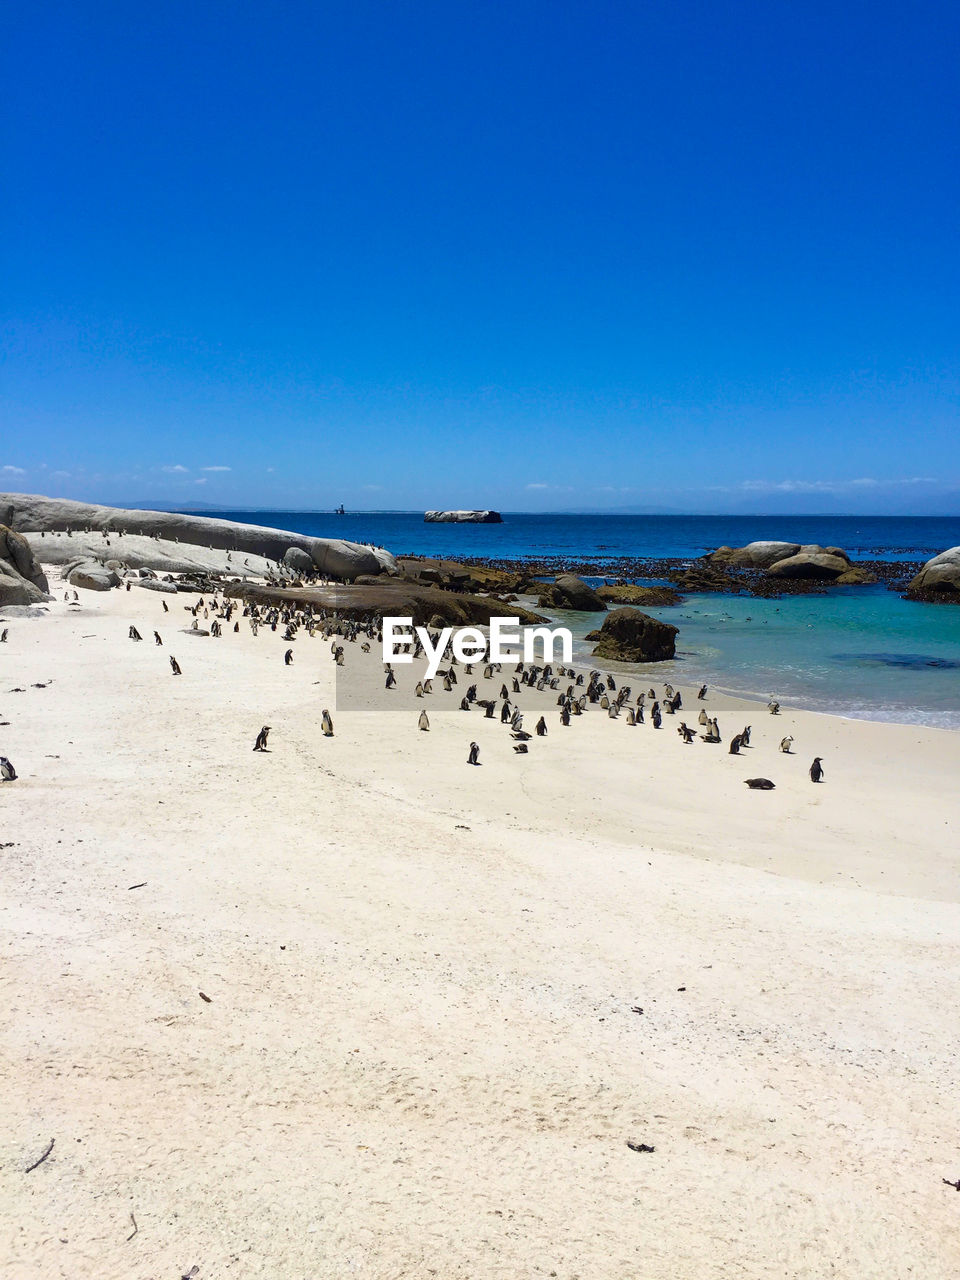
[422,1051]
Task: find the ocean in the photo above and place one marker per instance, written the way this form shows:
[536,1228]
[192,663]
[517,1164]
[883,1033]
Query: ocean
[861,652]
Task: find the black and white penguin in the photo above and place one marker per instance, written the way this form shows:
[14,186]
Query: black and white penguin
[175,666]
[541,728]
[816,770]
[326,723]
[424,722]
[261,742]
[288,658]
[473,756]
[7,772]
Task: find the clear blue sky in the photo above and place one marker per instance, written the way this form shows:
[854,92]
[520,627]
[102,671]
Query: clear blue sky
[524,255]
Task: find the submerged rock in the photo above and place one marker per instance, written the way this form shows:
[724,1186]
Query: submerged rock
[629,593]
[627,635]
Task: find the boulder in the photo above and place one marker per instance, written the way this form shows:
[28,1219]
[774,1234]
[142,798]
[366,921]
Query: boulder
[462,517]
[299,560]
[22,581]
[627,635]
[33,513]
[755,555]
[939,579]
[570,592]
[91,575]
[154,584]
[812,563]
[856,577]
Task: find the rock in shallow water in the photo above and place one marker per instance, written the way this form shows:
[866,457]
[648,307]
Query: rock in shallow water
[627,635]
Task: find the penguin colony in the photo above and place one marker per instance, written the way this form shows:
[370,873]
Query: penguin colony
[576,691]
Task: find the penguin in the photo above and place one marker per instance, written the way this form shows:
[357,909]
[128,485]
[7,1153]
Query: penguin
[261,742]
[288,658]
[735,745]
[520,748]
[7,772]
[3,635]
[565,716]
[505,713]
[655,715]
[760,784]
[464,704]
[134,634]
[473,756]
[685,733]
[156,638]
[631,718]
[326,723]
[703,718]
[165,609]
[785,745]
[702,692]
[541,729]
[418,691]
[816,770]
[745,736]
[391,681]
[423,722]
[175,666]
[773,708]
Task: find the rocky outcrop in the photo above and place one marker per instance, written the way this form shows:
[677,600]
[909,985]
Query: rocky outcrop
[22,581]
[34,514]
[298,560]
[939,579]
[627,635]
[570,592]
[462,517]
[391,597]
[652,597]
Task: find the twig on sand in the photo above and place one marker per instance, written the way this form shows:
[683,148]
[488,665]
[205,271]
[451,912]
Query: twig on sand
[42,1158]
[135,1229]
[136,886]
[205,998]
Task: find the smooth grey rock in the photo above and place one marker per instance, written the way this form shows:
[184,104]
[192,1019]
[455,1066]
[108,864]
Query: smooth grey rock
[154,584]
[22,581]
[33,513]
[299,560]
[939,577]
[755,555]
[91,575]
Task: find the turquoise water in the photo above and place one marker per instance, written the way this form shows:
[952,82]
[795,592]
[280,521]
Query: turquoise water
[855,651]
[858,652]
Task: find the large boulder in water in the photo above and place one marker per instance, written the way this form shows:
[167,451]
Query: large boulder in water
[939,579]
[570,592]
[627,635]
[811,562]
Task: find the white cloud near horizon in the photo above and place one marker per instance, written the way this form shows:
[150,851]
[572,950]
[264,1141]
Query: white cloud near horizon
[216,468]
[14,471]
[175,468]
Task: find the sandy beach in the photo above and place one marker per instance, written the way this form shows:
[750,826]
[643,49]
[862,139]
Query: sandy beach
[438,1001]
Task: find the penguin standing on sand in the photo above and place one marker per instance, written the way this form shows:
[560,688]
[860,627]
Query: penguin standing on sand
[165,609]
[735,744]
[786,744]
[391,680]
[7,772]
[134,634]
[156,638]
[288,658]
[541,729]
[816,770]
[326,723]
[473,756]
[261,742]
[175,666]
[423,723]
